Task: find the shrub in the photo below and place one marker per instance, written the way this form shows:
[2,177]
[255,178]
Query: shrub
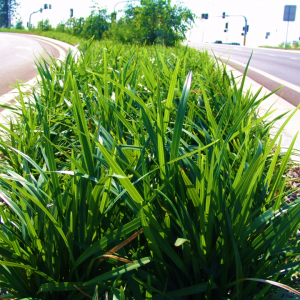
[60,27]
[296,45]
[128,173]
[44,25]
[288,46]
[19,24]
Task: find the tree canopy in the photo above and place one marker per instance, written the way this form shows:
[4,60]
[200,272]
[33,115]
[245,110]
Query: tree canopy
[7,12]
[155,22]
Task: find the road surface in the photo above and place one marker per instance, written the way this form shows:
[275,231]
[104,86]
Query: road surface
[17,55]
[271,68]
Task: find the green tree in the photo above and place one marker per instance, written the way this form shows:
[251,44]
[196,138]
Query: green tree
[155,22]
[7,12]
[96,24]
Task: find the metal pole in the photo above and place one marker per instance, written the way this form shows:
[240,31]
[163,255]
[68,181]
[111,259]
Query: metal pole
[287,31]
[203,30]
[227,34]
[245,31]
[29,24]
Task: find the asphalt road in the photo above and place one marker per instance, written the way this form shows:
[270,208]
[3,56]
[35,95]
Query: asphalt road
[17,55]
[283,66]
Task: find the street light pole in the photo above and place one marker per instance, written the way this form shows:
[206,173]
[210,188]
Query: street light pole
[122,2]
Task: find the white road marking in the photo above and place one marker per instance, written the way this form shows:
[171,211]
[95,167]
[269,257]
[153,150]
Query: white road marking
[23,47]
[294,58]
[29,84]
[23,57]
[281,81]
[62,54]
[245,47]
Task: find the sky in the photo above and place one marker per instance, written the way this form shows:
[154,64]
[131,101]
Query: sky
[262,16]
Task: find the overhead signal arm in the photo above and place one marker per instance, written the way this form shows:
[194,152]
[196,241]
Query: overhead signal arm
[40,10]
[245,29]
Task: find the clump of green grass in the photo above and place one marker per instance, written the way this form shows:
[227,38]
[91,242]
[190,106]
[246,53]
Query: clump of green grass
[144,172]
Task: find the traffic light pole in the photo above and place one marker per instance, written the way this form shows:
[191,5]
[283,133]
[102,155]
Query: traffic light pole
[29,24]
[245,28]
[203,30]
[246,24]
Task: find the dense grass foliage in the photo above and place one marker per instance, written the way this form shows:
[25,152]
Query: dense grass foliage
[144,172]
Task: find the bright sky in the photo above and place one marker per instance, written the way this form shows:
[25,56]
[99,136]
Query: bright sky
[263,16]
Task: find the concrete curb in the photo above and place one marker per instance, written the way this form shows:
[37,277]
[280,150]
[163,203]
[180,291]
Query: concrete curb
[280,106]
[260,48]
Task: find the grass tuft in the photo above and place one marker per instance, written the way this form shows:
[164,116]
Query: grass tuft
[144,172]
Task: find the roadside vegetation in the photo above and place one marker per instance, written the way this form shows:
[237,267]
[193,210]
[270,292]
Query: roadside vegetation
[289,46]
[140,169]
[153,22]
[144,172]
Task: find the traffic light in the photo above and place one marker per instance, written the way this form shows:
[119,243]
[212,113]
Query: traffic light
[243,34]
[41,10]
[267,35]
[45,6]
[247,28]
[71,13]
[50,6]
[226,27]
[204,16]
[223,16]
